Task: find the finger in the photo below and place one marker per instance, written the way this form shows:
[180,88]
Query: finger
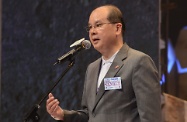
[54,108]
[55,103]
[49,100]
[50,95]
[52,105]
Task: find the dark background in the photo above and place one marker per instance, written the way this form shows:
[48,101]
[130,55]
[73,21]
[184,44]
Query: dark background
[174,23]
[36,32]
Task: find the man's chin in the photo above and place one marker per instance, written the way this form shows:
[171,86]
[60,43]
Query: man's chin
[97,47]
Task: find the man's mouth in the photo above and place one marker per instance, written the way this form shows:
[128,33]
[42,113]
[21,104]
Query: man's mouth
[95,40]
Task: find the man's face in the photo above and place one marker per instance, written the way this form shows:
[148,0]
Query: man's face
[102,33]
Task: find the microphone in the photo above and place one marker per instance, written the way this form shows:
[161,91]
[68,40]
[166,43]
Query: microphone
[77,42]
[79,45]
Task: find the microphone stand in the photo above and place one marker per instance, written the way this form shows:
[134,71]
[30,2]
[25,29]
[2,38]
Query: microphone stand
[33,115]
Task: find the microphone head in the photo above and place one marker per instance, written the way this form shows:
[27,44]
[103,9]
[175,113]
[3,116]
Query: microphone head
[76,43]
[86,44]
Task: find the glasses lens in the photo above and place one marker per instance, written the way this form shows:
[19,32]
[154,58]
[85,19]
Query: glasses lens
[87,28]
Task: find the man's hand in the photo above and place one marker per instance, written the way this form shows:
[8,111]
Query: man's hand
[53,108]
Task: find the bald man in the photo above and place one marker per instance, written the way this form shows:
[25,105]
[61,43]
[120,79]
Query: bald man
[122,85]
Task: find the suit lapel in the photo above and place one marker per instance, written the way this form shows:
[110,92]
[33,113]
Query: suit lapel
[95,74]
[114,68]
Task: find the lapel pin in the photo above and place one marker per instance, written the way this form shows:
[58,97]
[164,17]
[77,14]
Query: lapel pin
[116,67]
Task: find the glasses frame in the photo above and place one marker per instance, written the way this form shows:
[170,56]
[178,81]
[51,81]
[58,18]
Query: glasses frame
[97,25]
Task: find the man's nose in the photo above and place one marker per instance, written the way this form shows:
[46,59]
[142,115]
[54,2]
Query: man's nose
[93,30]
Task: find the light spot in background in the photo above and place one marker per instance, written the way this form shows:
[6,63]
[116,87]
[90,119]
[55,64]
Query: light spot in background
[171,61]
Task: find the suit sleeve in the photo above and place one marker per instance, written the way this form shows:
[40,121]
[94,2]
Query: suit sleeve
[75,116]
[147,90]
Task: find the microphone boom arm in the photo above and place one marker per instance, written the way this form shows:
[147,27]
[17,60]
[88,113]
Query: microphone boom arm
[33,115]
[68,55]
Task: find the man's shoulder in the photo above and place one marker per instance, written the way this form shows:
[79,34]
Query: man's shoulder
[136,53]
[131,52]
[95,63]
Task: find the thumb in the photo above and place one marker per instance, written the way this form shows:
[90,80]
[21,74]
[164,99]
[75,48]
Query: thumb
[50,95]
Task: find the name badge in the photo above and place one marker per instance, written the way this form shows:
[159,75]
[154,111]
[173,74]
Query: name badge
[112,83]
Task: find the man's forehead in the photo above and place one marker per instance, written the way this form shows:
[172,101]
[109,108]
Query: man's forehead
[97,20]
[100,10]
[98,15]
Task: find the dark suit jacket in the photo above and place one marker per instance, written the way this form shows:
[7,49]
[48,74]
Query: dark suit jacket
[137,101]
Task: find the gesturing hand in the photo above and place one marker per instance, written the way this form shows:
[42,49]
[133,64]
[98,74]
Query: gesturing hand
[53,108]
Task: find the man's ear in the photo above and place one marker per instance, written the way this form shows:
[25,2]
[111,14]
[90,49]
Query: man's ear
[118,27]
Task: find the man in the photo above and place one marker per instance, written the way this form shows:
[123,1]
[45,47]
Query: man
[122,85]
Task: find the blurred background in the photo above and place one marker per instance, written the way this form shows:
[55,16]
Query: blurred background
[174,47]
[34,33]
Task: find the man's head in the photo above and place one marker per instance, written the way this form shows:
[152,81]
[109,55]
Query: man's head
[106,28]
[115,16]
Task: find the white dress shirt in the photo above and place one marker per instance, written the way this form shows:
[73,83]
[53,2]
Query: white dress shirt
[104,68]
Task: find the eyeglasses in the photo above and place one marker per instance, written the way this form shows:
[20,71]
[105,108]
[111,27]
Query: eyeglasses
[96,26]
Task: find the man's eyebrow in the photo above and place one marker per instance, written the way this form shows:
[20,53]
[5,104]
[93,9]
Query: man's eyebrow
[98,21]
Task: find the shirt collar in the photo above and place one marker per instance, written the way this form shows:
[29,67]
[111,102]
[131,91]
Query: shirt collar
[110,60]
